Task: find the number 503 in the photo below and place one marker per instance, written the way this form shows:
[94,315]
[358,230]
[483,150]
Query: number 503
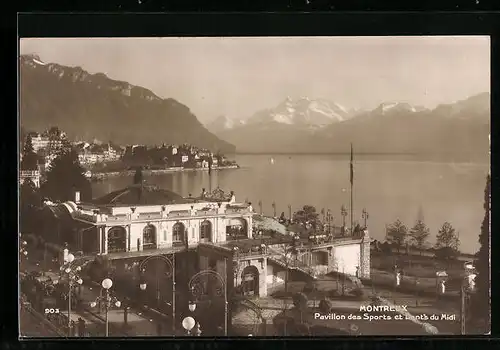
[51,311]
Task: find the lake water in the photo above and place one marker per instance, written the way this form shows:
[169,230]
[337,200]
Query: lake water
[388,187]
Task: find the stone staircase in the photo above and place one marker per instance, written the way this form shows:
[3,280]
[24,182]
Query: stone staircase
[293,264]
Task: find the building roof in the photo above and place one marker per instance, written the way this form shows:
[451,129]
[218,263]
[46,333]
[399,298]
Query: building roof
[59,212]
[140,195]
[265,223]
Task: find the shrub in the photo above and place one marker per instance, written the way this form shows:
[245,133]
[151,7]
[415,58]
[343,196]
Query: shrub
[309,287]
[334,293]
[358,293]
[99,268]
[446,253]
[300,301]
[325,306]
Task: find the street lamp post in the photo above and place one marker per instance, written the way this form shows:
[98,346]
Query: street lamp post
[343,212]
[72,277]
[365,216]
[467,286]
[108,300]
[169,274]
[197,288]
[188,324]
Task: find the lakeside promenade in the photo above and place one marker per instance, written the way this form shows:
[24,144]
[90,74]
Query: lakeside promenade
[105,175]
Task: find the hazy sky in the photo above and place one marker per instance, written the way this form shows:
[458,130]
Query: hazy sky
[239,76]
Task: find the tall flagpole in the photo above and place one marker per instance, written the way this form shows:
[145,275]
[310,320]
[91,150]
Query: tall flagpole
[352,186]
[210,174]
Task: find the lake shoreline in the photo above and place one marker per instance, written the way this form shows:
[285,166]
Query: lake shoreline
[105,175]
[388,190]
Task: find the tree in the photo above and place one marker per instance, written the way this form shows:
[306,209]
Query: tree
[482,297]
[447,237]
[100,268]
[289,253]
[66,176]
[325,306]
[138,177]
[307,215]
[30,158]
[397,234]
[419,234]
[29,203]
[386,248]
[300,303]
[22,136]
[447,242]
[54,133]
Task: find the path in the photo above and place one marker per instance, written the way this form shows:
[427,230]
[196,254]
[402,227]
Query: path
[30,326]
[139,324]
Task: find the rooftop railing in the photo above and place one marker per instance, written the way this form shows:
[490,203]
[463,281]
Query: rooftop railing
[233,210]
[30,173]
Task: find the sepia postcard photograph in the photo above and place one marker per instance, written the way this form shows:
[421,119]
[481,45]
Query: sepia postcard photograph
[254,186]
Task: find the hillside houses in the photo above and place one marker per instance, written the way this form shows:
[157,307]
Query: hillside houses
[50,141]
[98,156]
[90,154]
[186,156]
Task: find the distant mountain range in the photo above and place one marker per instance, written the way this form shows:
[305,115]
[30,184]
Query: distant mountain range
[93,106]
[457,130]
[302,112]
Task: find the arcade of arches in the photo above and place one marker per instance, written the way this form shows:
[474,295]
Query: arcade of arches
[117,236]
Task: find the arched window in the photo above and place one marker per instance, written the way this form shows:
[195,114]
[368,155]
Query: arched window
[117,239]
[149,237]
[250,281]
[236,229]
[206,231]
[178,233]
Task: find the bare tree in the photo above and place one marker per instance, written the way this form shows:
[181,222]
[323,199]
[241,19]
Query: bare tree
[288,253]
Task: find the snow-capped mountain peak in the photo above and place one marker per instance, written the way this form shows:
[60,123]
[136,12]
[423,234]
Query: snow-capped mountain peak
[32,60]
[303,111]
[39,62]
[224,123]
[389,107]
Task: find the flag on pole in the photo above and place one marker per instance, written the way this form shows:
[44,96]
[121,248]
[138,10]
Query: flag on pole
[352,167]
